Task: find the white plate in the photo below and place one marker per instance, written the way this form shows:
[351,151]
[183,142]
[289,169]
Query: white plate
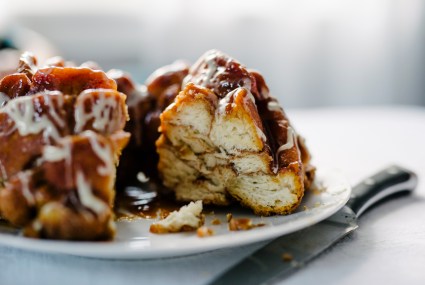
[134,241]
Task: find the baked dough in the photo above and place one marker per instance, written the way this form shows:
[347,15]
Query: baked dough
[225,138]
[61,134]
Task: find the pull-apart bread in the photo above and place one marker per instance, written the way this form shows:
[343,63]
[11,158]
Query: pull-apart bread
[221,138]
[145,104]
[61,134]
[225,138]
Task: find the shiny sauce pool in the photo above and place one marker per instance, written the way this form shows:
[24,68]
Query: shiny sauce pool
[144,201]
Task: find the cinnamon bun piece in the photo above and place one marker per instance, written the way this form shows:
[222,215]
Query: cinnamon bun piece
[225,138]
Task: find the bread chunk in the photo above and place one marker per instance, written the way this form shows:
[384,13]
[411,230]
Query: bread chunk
[188,218]
[225,138]
[61,135]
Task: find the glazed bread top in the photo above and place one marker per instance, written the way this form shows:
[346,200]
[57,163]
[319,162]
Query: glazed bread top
[227,78]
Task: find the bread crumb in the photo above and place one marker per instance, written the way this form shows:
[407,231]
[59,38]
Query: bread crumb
[216,222]
[162,214]
[287,257]
[229,216]
[204,232]
[242,224]
[187,218]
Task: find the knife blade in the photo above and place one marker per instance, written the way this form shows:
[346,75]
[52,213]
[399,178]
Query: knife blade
[286,254]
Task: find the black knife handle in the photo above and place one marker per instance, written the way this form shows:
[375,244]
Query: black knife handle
[391,180]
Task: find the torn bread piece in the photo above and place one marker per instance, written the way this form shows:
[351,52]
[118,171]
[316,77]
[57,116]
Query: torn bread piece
[204,232]
[224,138]
[187,218]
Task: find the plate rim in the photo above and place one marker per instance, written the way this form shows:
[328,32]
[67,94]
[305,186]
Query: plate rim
[139,249]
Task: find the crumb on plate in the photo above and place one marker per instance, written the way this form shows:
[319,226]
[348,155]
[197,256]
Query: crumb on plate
[204,232]
[187,218]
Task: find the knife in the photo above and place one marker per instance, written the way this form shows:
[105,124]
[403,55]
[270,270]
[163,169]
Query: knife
[284,255]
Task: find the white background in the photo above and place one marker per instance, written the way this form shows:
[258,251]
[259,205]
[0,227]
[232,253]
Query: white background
[312,53]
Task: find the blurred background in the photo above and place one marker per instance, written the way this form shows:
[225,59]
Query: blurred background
[311,52]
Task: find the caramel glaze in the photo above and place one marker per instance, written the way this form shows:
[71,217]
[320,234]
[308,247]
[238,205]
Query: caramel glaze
[221,74]
[214,70]
[145,104]
[151,200]
[145,200]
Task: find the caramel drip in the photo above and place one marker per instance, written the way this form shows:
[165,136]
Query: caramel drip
[290,137]
[59,153]
[87,198]
[104,153]
[24,178]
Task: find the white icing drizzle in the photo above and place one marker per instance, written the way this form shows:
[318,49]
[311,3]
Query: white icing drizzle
[290,139]
[102,152]
[37,225]
[102,107]
[63,152]
[208,69]
[24,177]
[28,121]
[86,196]
[261,134]
[273,106]
[211,68]
[56,153]
[51,107]
[142,177]
[249,96]
[59,153]
[3,172]
[3,99]
[222,104]
[9,129]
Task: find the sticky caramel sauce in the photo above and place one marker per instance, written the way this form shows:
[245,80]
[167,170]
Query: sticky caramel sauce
[144,201]
[152,201]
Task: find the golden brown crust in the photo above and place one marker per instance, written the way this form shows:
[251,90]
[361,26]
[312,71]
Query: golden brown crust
[165,77]
[159,229]
[67,123]
[220,73]
[70,80]
[46,196]
[239,106]
[225,75]
[96,101]
[15,85]
[30,145]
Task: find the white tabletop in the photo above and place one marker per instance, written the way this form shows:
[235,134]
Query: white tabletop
[387,248]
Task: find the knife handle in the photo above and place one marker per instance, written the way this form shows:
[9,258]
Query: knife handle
[391,180]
